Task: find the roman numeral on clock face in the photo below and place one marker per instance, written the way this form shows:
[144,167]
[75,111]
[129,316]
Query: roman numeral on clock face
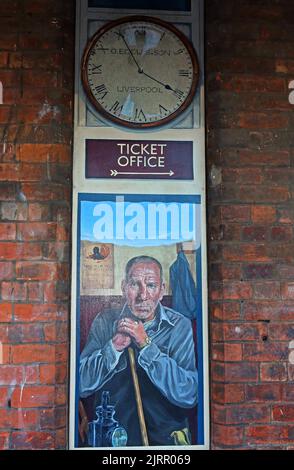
[116,108]
[184,73]
[178,93]
[95,69]
[139,115]
[162,110]
[101,90]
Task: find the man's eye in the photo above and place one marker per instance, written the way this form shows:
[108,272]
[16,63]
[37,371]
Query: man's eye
[151,286]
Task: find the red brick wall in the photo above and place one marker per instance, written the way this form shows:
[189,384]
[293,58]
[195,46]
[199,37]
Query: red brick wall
[250,141]
[36,69]
[249,63]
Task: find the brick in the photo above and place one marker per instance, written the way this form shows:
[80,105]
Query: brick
[279,234]
[25,333]
[288,290]
[13,291]
[6,270]
[35,231]
[281,332]
[263,214]
[32,440]
[7,231]
[222,272]
[39,212]
[19,419]
[270,433]
[254,234]
[268,310]
[250,157]
[33,396]
[4,440]
[5,312]
[286,272]
[242,175]
[33,352]
[227,435]
[11,374]
[283,413]
[251,193]
[14,211]
[37,313]
[267,290]
[241,372]
[259,271]
[39,192]
[267,351]
[53,419]
[264,392]
[35,291]
[36,271]
[236,213]
[288,392]
[13,251]
[228,352]
[244,331]
[237,290]
[246,252]
[273,372]
[48,374]
[247,414]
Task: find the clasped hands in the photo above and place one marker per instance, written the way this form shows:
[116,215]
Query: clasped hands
[129,330]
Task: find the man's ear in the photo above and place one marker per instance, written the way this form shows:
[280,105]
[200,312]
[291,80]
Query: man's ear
[162,290]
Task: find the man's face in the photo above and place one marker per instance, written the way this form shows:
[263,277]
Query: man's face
[143,289]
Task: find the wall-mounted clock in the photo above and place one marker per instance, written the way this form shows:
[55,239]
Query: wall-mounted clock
[140,72]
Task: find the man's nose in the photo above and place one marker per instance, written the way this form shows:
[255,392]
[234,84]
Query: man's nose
[142,291]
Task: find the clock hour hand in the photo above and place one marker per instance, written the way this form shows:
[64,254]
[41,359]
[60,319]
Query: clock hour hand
[166,86]
[132,55]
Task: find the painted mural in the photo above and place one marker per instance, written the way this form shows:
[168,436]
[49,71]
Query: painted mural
[139,317]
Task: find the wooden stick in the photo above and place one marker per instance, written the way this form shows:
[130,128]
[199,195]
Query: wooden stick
[142,423]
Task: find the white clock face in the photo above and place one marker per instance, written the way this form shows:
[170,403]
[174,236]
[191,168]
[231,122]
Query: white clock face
[140,73]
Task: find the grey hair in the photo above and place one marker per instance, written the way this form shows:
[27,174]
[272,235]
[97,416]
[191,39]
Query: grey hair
[142,259]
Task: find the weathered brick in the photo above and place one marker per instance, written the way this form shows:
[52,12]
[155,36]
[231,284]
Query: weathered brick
[36,312]
[273,372]
[266,351]
[263,214]
[37,271]
[259,271]
[5,312]
[33,396]
[227,435]
[264,393]
[13,291]
[6,270]
[32,440]
[4,440]
[31,353]
[270,433]
[267,290]
[283,413]
[19,419]
[288,290]
[11,374]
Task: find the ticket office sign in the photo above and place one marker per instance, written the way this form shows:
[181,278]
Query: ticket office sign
[139,159]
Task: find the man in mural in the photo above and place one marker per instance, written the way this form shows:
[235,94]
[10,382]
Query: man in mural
[163,346]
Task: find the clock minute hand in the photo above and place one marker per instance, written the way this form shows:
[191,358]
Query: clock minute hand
[133,57]
[166,86]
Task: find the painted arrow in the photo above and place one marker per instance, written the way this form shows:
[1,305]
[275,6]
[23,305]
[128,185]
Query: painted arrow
[115,173]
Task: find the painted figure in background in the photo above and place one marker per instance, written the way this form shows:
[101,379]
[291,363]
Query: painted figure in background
[162,352]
